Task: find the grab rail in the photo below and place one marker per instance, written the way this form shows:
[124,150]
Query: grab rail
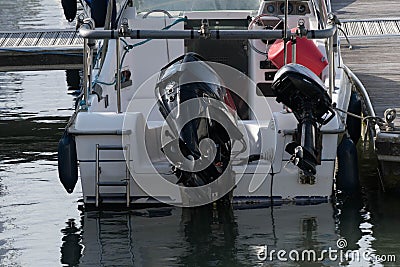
[86,32]
[361,89]
[99,132]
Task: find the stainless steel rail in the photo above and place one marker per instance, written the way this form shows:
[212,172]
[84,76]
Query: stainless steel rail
[361,89]
[86,32]
[100,132]
[364,94]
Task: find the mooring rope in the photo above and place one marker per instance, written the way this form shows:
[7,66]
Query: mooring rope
[373,119]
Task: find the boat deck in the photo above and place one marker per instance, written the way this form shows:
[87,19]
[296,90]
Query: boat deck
[374,57]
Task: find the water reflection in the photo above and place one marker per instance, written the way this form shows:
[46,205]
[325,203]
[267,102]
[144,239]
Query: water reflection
[71,249]
[73,79]
[33,208]
[230,237]
[211,235]
[385,218]
[34,108]
[366,222]
[204,236]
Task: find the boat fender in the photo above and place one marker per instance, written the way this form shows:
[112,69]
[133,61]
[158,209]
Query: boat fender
[70,9]
[347,177]
[354,124]
[99,12]
[67,162]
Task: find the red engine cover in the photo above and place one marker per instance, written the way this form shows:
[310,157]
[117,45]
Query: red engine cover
[307,54]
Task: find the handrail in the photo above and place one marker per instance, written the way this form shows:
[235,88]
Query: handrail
[361,89]
[157,10]
[86,32]
[74,131]
[339,130]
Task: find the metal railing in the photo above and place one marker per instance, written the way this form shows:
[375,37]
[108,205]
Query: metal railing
[364,94]
[88,32]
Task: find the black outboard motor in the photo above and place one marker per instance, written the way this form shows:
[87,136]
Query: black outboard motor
[303,92]
[197,107]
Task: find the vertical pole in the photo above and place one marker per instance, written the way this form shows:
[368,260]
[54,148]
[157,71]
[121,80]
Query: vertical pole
[97,175]
[331,67]
[128,176]
[285,37]
[294,55]
[107,26]
[91,44]
[85,72]
[118,76]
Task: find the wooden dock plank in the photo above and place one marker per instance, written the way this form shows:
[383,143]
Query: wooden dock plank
[361,9]
[373,60]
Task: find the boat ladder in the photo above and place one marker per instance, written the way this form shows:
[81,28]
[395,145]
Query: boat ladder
[122,183]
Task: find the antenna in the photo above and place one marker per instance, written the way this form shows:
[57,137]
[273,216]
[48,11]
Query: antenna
[285,36]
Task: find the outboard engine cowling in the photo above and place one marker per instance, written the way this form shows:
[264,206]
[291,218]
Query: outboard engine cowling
[199,112]
[303,92]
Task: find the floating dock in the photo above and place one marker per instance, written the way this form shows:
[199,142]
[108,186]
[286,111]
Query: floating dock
[40,50]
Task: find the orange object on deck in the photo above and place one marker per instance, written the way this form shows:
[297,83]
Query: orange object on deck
[307,54]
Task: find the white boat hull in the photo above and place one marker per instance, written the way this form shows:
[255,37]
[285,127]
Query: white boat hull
[120,128]
[150,172]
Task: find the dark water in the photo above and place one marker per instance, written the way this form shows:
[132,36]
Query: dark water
[40,224]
